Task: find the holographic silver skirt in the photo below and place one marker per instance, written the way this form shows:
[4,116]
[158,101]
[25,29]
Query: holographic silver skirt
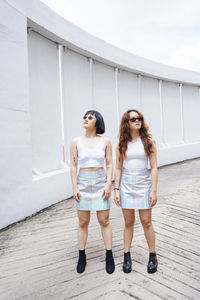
[135,187]
[91,185]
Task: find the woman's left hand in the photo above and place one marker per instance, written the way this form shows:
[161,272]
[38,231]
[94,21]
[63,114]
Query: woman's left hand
[152,198]
[106,192]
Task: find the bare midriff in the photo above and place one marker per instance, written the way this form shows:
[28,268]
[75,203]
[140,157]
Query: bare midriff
[92,168]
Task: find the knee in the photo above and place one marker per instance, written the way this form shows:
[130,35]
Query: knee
[129,223]
[146,224]
[103,222]
[83,223]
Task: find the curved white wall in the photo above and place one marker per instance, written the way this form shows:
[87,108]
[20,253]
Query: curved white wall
[50,76]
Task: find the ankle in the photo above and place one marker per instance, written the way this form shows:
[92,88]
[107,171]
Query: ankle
[81,262]
[108,252]
[127,257]
[82,253]
[110,264]
[152,263]
[127,265]
[152,254]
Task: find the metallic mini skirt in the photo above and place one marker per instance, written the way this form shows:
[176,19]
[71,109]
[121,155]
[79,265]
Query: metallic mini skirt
[135,187]
[91,185]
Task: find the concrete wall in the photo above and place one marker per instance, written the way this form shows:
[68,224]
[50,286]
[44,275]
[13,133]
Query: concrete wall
[50,75]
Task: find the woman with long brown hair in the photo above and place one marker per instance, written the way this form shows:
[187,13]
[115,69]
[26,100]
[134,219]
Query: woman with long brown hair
[136,186]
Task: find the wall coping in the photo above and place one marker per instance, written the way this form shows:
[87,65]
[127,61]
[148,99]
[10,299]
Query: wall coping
[48,23]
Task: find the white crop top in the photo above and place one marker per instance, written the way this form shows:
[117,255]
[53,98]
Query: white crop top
[136,157]
[93,157]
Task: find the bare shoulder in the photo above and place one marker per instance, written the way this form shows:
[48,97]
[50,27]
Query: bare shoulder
[106,141]
[75,141]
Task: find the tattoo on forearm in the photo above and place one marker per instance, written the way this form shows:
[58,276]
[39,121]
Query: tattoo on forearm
[74,159]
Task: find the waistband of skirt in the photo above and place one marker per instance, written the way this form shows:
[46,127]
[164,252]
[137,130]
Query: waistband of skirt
[135,171]
[91,174]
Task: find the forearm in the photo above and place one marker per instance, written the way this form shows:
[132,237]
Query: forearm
[109,173]
[154,178]
[73,173]
[117,177]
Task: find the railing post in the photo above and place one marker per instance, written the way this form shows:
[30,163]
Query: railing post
[139,90]
[163,142]
[91,62]
[60,62]
[182,114]
[117,93]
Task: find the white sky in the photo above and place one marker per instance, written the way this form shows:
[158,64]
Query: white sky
[166,31]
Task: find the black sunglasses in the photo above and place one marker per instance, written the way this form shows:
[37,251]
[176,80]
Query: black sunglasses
[89,118]
[134,119]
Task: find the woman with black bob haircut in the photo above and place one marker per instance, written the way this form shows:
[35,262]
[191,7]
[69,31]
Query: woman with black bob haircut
[92,185]
[100,125]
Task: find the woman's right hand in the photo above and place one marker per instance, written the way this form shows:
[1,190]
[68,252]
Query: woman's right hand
[76,195]
[117,197]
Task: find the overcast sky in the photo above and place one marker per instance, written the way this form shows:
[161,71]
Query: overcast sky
[164,31]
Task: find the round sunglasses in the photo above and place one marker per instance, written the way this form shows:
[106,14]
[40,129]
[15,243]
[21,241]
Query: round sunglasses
[88,117]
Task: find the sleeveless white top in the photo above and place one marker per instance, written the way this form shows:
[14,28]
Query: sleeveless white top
[136,157]
[91,157]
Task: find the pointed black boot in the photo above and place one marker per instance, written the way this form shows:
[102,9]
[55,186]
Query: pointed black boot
[110,264]
[127,266]
[81,262]
[153,263]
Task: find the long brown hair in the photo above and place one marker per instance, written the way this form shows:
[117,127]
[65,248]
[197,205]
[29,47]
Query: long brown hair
[125,134]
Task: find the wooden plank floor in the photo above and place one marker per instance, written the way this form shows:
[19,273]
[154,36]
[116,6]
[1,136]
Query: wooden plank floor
[38,256]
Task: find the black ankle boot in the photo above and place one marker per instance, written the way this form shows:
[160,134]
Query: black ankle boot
[110,264]
[127,266]
[81,261]
[153,263]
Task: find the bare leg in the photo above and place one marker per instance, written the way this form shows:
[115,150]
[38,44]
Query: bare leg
[106,230]
[146,220]
[84,219]
[129,219]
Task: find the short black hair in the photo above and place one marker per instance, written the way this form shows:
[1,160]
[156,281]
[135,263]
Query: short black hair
[100,125]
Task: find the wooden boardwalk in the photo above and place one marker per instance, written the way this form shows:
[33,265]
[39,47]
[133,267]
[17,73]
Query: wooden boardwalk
[38,256]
